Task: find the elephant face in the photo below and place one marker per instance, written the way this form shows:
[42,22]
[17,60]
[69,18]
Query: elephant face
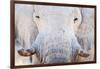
[57,41]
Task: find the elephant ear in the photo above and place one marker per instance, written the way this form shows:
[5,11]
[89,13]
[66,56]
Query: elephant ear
[77,18]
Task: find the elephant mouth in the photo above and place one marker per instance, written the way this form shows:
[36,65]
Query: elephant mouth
[56,59]
[56,56]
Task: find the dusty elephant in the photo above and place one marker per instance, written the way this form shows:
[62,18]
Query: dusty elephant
[57,41]
[55,32]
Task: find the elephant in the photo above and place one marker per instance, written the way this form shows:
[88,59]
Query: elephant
[54,34]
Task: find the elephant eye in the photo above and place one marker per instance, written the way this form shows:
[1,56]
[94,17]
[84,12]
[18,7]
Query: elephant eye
[75,19]
[37,16]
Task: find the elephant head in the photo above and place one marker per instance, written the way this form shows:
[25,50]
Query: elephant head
[57,41]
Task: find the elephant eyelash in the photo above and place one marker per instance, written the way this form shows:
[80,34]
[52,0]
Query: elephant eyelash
[37,16]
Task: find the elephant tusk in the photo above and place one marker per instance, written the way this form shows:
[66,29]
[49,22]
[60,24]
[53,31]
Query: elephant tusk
[27,52]
[83,53]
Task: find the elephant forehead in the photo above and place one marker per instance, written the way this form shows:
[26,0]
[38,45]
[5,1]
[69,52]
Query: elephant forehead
[53,10]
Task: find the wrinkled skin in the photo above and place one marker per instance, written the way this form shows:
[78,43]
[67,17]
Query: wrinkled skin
[56,41]
[55,33]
